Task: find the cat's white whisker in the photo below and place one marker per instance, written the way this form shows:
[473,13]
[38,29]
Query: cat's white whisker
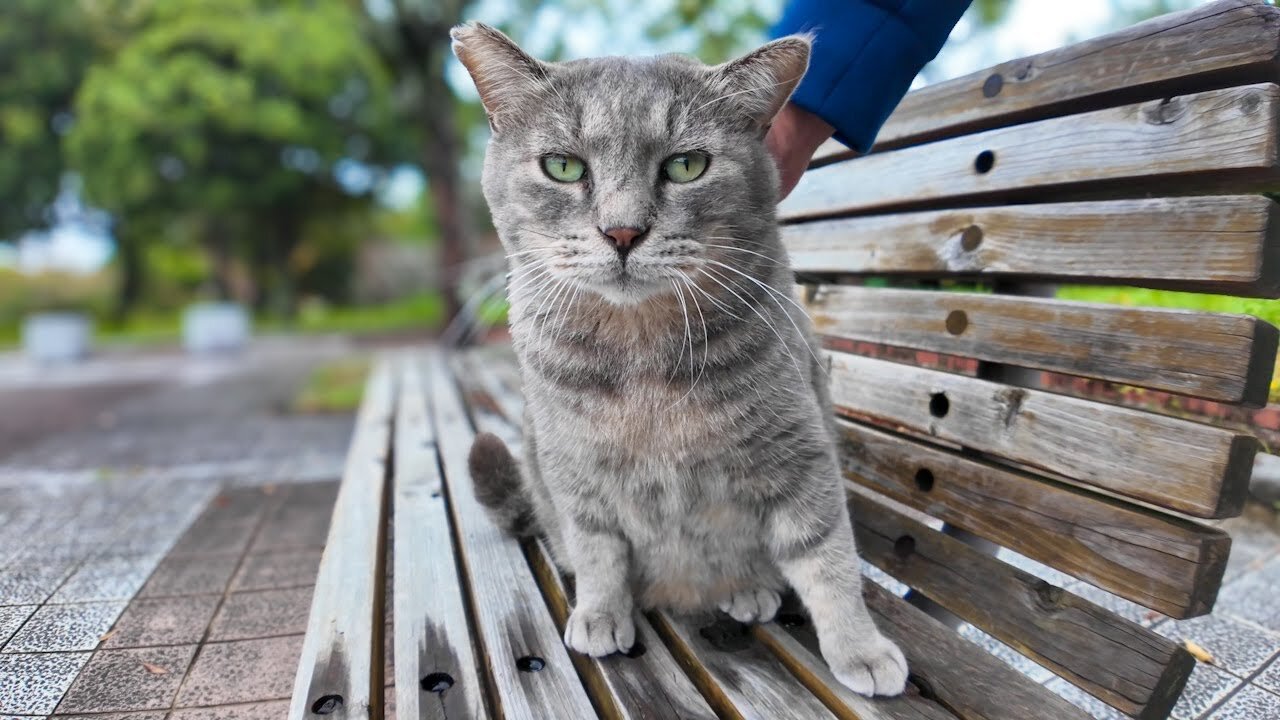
[744,250]
[782,343]
[771,293]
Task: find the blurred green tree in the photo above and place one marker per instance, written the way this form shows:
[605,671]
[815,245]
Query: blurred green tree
[44,49]
[257,117]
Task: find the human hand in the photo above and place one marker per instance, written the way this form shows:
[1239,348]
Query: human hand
[792,139]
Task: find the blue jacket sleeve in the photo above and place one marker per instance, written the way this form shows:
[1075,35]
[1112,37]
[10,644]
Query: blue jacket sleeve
[865,55]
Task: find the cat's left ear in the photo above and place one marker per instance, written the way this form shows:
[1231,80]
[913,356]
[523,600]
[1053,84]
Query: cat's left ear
[503,73]
[761,81]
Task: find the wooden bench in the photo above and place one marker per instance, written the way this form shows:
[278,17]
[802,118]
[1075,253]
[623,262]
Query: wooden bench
[1138,158]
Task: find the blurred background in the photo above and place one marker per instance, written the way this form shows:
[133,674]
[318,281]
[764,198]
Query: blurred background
[314,161]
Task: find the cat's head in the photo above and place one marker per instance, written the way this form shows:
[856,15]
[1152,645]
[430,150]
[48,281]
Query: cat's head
[623,176]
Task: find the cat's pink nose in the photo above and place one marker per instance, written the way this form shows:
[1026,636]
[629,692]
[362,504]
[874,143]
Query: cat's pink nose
[622,238]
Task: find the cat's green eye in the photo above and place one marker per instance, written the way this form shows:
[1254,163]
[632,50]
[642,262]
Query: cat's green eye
[563,168]
[685,167]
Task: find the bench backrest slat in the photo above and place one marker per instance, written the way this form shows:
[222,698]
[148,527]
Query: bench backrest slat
[1222,357]
[1228,244]
[1169,462]
[1213,142]
[1167,55]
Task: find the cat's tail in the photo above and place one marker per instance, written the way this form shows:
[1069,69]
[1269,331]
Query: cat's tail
[495,475]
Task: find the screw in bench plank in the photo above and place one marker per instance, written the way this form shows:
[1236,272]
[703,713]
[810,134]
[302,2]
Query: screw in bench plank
[437,682]
[530,664]
[993,85]
[326,705]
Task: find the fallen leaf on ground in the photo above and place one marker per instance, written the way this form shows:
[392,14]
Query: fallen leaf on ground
[1198,652]
[154,669]
[107,637]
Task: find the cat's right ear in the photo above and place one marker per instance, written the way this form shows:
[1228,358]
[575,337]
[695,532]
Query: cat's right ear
[503,73]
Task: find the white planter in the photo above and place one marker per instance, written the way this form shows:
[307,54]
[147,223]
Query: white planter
[215,328]
[57,337]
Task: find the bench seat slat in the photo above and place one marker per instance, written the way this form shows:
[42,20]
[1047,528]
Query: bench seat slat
[1225,244]
[1118,661]
[1159,561]
[431,628]
[955,673]
[1169,462]
[1228,358]
[512,620]
[337,664]
[1213,142]
[1219,43]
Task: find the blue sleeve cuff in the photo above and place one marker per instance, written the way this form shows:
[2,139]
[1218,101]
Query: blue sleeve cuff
[865,55]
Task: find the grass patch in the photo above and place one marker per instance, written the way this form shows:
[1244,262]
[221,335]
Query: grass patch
[333,388]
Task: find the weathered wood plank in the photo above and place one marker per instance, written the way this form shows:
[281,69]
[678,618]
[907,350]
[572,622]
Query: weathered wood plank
[811,670]
[647,684]
[1232,42]
[529,668]
[1229,358]
[740,677]
[1213,142]
[1225,244]
[340,667]
[1159,561]
[1196,469]
[949,670]
[1131,668]
[435,667]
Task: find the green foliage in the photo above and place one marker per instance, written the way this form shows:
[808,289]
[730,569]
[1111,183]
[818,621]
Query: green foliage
[334,388]
[44,50]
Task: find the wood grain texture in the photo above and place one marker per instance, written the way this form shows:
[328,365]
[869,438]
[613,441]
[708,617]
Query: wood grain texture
[341,659]
[1224,244]
[432,643]
[811,670]
[649,685]
[1159,561]
[1196,469]
[511,618]
[1131,668]
[966,680]
[1228,358]
[1214,142]
[1231,42]
[740,676]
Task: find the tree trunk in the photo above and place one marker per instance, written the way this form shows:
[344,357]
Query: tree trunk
[288,233]
[440,161]
[217,244]
[132,273]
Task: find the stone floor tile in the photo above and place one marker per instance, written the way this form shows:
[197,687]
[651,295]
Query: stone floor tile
[262,613]
[1269,678]
[884,579]
[1040,570]
[1236,647]
[163,621]
[107,578]
[1083,700]
[293,527]
[1206,686]
[191,575]
[31,582]
[126,680]
[11,618]
[206,536]
[1251,703]
[242,671]
[32,684]
[114,716]
[285,569]
[1252,596]
[79,626]
[250,711]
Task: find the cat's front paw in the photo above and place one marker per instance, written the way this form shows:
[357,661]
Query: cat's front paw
[874,666]
[752,606]
[599,632]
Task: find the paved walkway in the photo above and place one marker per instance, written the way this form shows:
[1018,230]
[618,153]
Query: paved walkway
[159,538]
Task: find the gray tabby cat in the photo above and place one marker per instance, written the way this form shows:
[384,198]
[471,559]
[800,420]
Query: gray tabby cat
[679,447]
